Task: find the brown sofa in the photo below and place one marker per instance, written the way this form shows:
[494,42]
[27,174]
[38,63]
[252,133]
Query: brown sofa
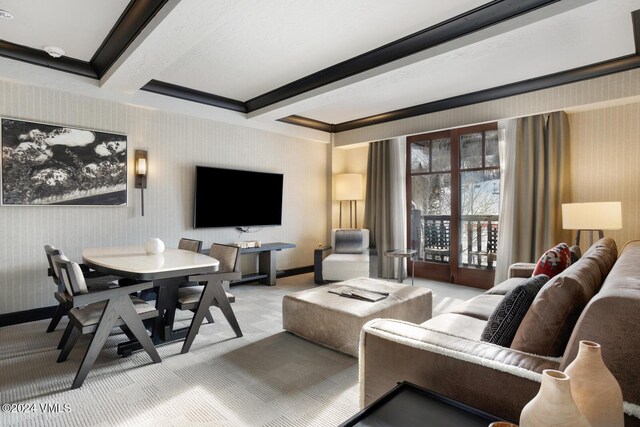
[445,354]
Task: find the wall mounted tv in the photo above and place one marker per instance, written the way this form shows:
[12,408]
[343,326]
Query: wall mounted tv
[235,198]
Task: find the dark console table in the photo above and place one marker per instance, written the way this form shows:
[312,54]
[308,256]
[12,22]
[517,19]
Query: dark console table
[410,405]
[267,272]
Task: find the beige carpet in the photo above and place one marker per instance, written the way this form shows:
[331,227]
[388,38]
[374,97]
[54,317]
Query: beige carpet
[266,378]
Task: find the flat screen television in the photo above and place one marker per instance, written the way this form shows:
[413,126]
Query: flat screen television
[236,198]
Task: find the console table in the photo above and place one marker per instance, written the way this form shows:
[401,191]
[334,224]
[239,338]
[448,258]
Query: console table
[267,272]
[409,405]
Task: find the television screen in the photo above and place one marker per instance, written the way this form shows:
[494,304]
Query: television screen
[234,198]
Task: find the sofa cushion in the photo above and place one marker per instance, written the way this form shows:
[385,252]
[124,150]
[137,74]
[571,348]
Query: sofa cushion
[349,242]
[480,307]
[457,325]
[345,266]
[506,318]
[546,327]
[507,286]
[553,261]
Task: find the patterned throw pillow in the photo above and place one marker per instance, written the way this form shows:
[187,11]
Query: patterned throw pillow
[553,261]
[507,316]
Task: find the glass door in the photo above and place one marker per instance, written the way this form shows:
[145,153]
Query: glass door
[453,189]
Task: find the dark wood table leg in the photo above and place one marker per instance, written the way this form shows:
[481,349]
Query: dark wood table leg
[162,328]
[267,265]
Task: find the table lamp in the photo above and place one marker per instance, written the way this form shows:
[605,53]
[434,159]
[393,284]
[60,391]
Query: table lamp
[592,217]
[349,188]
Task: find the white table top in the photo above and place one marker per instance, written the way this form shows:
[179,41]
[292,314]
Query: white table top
[134,260]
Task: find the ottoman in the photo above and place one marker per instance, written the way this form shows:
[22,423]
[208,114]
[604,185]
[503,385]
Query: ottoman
[335,321]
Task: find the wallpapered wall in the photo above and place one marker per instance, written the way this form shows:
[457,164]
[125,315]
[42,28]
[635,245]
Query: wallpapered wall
[175,143]
[605,163]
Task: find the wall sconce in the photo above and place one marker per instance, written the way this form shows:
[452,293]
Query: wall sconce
[140,157]
[349,188]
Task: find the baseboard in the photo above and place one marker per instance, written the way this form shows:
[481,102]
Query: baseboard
[296,271]
[25,316]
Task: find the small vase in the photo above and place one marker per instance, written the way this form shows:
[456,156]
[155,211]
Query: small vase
[595,390]
[553,405]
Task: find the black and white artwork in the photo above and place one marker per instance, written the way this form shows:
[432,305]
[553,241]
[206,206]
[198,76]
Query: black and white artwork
[45,164]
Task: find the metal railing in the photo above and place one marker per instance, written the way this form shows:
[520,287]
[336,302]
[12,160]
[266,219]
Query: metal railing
[478,239]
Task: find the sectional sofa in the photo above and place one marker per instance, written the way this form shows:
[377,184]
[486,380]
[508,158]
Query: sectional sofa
[599,298]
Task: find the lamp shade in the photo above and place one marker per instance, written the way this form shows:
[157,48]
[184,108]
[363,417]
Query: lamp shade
[349,186]
[592,216]
[141,166]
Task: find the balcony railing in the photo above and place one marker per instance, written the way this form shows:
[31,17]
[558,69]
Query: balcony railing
[478,239]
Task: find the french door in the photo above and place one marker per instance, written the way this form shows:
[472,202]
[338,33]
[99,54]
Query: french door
[453,203]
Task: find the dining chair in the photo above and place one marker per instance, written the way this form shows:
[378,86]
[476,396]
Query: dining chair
[98,312]
[190,245]
[94,279]
[199,298]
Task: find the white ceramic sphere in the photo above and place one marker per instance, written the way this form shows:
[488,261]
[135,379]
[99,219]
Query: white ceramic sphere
[154,246]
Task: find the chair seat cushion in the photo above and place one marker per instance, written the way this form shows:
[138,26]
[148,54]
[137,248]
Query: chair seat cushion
[191,295]
[90,314]
[345,266]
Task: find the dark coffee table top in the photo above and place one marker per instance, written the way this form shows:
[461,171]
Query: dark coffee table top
[410,405]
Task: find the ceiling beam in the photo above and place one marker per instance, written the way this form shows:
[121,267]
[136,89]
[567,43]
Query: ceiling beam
[132,21]
[41,58]
[477,19]
[171,32]
[635,17]
[193,95]
[307,122]
[551,80]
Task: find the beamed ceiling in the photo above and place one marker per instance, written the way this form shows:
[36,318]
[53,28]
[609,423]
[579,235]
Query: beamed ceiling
[330,66]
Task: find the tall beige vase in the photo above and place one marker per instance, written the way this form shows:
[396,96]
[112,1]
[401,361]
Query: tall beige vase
[553,405]
[595,390]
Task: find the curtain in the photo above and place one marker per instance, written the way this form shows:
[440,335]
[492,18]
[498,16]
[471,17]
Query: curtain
[536,180]
[385,209]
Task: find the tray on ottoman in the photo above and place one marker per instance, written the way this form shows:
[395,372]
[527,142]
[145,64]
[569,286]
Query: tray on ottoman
[335,321]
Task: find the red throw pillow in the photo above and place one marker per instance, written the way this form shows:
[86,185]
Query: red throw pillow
[553,261]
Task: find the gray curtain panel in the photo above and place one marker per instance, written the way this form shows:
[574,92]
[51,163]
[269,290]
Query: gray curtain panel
[377,212]
[538,162]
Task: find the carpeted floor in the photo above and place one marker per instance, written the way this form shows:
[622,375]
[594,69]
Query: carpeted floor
[266,378]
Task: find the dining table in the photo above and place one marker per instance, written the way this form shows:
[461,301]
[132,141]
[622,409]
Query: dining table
[167,270]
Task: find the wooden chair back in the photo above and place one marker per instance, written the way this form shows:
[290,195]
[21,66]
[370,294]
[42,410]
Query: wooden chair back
[227,255]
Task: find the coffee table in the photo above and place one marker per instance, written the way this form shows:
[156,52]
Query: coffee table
[334,321]
[408,405]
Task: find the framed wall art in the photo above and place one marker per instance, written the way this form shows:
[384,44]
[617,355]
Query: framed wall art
[45,164]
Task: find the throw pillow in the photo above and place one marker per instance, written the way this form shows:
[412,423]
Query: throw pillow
[547,326]
[348,242]
[553,261]
[576,253]
[507,316]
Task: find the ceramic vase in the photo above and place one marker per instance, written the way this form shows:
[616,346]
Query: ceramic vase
[154,246]
[595,390]
[553,405]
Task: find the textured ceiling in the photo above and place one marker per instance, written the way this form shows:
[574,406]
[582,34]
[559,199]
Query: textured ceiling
[77,26]
[243,49]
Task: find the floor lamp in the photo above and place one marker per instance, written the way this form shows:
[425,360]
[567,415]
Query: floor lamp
[349,188]
[591,217]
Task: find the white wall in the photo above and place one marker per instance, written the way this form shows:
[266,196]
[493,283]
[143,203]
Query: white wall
[175,143]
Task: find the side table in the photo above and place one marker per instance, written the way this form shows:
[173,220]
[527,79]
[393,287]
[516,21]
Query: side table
[408,405]
[400,255]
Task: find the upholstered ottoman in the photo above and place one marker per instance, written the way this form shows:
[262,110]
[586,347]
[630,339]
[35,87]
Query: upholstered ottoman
[335,321]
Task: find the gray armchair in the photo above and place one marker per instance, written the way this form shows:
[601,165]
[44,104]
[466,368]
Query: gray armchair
[346,258]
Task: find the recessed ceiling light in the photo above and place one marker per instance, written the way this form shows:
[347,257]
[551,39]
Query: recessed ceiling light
[5,14]
[54,51]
